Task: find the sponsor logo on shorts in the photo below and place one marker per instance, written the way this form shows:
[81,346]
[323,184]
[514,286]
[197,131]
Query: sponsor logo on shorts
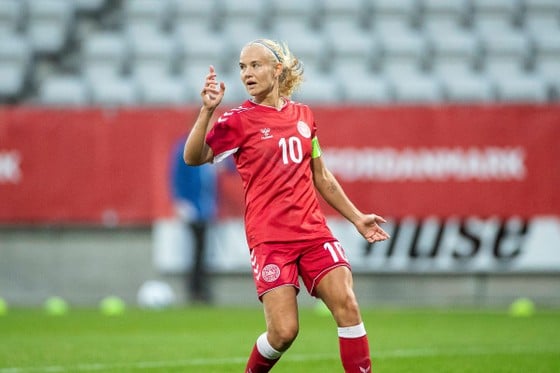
[270,272]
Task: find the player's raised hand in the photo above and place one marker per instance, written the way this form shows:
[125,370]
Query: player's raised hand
[213,91]
[368,226]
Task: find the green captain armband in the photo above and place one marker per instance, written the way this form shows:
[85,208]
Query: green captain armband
[315,148]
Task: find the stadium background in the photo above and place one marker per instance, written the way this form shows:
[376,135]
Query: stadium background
[441,115]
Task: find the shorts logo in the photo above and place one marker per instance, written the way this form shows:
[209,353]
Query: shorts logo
[255,265]
[270,272]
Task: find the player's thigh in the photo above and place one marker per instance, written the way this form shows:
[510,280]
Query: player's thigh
[336,291]
[281,314]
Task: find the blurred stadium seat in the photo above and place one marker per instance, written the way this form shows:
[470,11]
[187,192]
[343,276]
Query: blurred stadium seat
[241,21]
[467,88]
[201,50]
[146,15]
[455,51]
[402,52]
[364,89]
[318,87]
[194,74]
[49,25]
[89,6]
[162,90]
[495,14]
[292,17]
[342,16]
[193,17]
[15,64]
[236,35]
[353,52]
[416,88]
[242,11]
[312,49]
[541,16]
[152,52]
[506,53]
[105,54]
[235,92]
[447,41]
[520,88]
[11,16]
[67,90]
[394,14]
[347,42]
[440,16]
[547,59]
[116,91]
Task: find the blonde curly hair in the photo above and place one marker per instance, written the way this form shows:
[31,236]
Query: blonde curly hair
[292,69]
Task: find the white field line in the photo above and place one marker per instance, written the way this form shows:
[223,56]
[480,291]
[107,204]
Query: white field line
[380,355]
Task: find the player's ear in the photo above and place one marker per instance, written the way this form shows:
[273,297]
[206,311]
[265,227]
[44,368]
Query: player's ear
[278,70]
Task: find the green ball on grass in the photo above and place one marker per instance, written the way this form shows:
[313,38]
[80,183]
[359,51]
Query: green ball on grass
[3,307]
[56,306]
[112,306]
[522,307]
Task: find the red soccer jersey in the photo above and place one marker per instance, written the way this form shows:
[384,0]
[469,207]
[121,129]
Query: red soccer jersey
[272,151]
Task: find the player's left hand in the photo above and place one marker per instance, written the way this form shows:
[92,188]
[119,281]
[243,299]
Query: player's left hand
[368,226]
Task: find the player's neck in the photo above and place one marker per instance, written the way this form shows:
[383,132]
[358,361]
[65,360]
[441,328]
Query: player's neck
[274,101]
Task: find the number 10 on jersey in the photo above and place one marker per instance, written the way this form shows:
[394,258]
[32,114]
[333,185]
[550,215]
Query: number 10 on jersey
[291,149]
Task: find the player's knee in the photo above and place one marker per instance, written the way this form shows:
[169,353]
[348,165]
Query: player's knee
[282,337]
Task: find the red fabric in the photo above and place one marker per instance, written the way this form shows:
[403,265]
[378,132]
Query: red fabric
[276,265]
[273,158]
[354,353]
[257,363]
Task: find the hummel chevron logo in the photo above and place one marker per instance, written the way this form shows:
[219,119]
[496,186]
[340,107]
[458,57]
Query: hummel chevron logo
[265,133]
[365,370]
[224,116]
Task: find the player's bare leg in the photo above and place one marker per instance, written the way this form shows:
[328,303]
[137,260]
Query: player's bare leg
[282,324]
[281,314]
[335,289]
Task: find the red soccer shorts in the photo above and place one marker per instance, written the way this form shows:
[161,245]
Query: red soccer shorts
[280,264]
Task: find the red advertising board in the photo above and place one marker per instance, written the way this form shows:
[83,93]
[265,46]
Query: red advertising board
[443,161]
[86,166]
[102,166]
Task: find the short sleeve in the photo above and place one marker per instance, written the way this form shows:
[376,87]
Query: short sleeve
[226,136]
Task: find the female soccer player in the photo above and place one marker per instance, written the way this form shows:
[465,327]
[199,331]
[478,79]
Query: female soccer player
[276,151]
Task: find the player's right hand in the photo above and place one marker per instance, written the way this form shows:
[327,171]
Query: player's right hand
[213,91]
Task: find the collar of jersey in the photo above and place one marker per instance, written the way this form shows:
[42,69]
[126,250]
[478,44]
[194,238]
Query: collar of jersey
[286,101]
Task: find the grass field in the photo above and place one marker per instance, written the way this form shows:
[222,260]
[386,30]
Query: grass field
[219,339]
